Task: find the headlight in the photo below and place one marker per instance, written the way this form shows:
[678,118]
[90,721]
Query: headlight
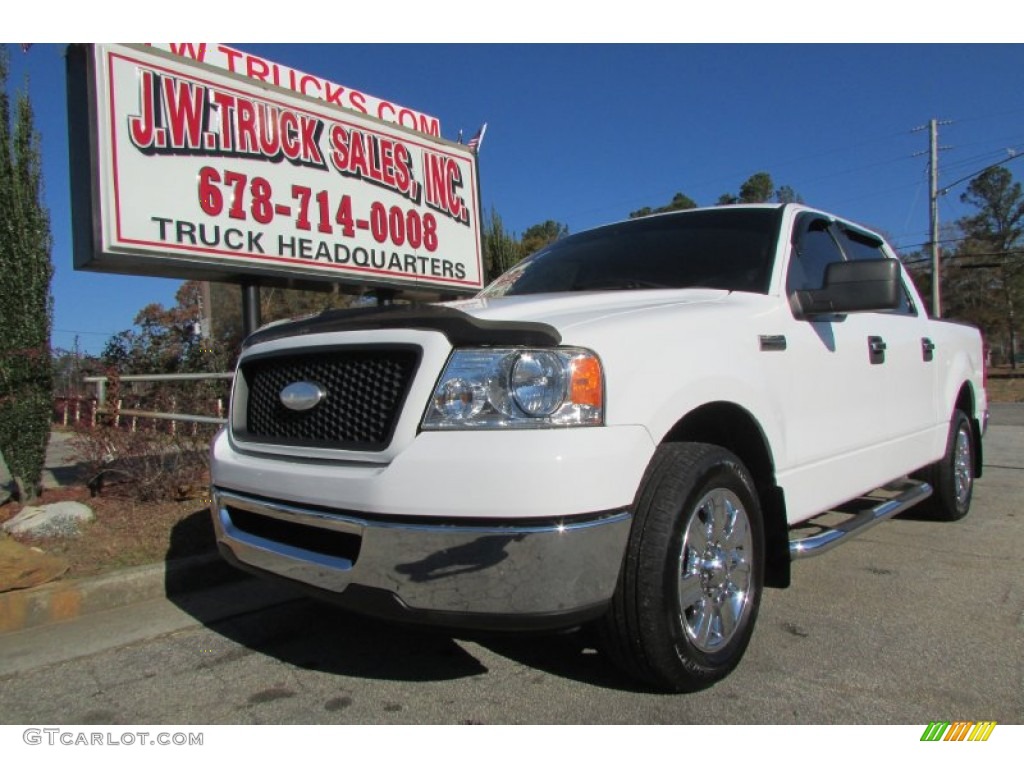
[499,388]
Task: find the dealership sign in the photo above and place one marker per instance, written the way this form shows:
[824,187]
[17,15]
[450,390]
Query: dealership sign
[183,169]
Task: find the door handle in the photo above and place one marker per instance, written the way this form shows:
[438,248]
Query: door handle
[927,349]
[876,350]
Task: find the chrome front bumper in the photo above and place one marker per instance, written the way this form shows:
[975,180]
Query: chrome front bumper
[518,574]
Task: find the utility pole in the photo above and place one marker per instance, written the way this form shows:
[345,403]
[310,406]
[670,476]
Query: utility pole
[933,131]
[207,310]
[933,196]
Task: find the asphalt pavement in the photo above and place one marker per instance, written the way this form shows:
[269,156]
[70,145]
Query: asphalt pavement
[910,622]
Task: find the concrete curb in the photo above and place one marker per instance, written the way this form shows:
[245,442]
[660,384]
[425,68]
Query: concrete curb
[71,599]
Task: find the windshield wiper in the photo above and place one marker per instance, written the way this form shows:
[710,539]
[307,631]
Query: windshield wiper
[620,285]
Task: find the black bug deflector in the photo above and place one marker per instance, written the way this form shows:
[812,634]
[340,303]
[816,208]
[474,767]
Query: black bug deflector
[461,329]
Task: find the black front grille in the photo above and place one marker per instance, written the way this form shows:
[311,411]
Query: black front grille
[364,390]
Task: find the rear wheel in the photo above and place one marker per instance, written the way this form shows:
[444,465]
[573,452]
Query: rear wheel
[952,477]
[691,582]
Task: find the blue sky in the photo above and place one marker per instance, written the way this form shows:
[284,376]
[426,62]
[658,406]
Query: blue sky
[584,133]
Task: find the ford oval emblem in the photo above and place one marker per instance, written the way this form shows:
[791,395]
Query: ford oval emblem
[302,395]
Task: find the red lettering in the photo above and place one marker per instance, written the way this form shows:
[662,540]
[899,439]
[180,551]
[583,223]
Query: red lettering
[443,178]
[185,103]
[232,54]
[141,128]
[383,107]
[311,129]
[257,69]
[309,79]
[407,118]
[333,93]
[357,155]
[387,162]
[372,157]
[373,150]
[246,127]
[436,193]
[430,125]
[270,132]
[189,50]
[358,101]
[403,168]
[339,140]
[453,180]
[226,105]
[290,136]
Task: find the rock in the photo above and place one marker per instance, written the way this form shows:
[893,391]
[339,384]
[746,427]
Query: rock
[6,481]
[61,518]
[22,567]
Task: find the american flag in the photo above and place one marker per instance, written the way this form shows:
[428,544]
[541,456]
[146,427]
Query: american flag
[478,139]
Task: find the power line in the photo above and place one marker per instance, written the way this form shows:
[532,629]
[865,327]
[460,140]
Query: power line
[989,156]
[928,242]
[948,187]
[962,256]
[89,333]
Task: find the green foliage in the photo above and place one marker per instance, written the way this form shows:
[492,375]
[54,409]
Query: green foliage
[540,235]
[165,340]
[502,250]
[26,377]
[786,194]
[999,222]
[985,283]
[202,332]
[680,202]
[759,188]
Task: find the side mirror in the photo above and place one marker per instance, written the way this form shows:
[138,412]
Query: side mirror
[869,285]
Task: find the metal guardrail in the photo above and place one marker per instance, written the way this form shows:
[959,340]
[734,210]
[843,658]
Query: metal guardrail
[101,396]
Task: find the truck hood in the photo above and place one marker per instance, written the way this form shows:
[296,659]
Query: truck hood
[569,310]
[538,319]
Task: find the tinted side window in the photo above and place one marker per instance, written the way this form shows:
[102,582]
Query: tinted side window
[813,250]
[859,245]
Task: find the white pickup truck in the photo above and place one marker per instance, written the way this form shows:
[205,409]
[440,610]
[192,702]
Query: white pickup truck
[633,427]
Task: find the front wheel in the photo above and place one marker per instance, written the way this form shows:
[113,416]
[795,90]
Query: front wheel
[690,586]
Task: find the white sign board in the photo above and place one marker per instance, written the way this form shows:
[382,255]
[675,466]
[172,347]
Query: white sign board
[196,172]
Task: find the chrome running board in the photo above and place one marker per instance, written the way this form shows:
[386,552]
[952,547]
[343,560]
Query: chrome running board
[909,492]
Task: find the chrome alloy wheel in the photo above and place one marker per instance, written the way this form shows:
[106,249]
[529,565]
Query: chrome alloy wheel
[715,570]
[963,466]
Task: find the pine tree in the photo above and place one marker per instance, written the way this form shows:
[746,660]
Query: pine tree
[26,377]
[501,248]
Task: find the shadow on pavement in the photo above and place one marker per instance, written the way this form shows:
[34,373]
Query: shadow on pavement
[279,621]
[572,655]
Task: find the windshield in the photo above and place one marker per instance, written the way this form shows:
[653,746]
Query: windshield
[725,248]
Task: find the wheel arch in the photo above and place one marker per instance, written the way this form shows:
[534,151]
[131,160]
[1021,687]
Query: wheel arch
[965,401]
[734,428]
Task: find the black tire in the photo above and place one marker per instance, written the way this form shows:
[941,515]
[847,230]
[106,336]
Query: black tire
[952,477]
[690,586]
